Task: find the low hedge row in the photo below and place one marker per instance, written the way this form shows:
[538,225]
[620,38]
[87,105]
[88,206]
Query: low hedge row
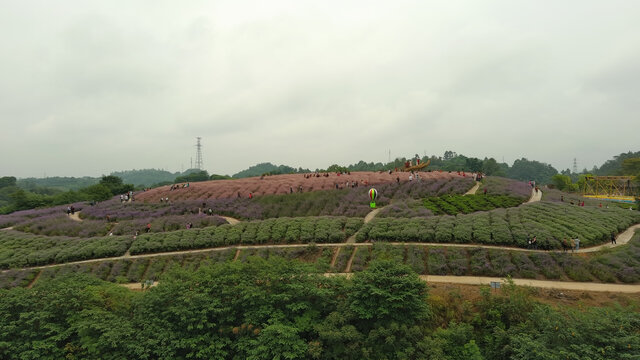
[550,222]
[272,231]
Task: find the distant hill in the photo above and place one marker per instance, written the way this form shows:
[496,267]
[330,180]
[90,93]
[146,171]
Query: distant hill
[615,165]
[57,183]
[148,177]
[267,168]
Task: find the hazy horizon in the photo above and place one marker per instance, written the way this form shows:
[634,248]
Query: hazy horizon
[91,88]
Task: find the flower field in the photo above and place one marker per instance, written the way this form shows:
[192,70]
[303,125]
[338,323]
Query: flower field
[503,186]
[550,222]
[455,204]
[619,265]
[283,184]
[19,249]
[270,231]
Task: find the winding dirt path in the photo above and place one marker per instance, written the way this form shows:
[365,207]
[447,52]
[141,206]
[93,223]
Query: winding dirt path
[353,254]
[372,214]
[483,280]
[230,220]
[474,189]
[535,196]
[75,216]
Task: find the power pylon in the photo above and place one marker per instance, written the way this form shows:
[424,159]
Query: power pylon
[198,154]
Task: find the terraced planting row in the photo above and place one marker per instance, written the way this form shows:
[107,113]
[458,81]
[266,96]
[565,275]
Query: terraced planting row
[549,222]
[270,231]
[18,249]
[62,225]
[456,204]
[621,264]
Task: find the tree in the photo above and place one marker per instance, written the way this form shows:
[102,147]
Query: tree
[6,181]
[277,342]
[490,167]
[561,182]
[98,192]
[201,175]
[387,292]
[526,170]
[448,155]
[115,185]
[631,166]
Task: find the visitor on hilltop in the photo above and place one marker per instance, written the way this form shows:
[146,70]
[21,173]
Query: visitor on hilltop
[534,243]
[148,227]
[290,189]
[210,212]
[73,210]
[577,242]
[565,245]
[613,237]
[398,179]
[68,210]
[250,195]
[573,244]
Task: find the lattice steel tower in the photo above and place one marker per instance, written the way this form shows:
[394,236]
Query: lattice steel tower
[575,165]
[198,154]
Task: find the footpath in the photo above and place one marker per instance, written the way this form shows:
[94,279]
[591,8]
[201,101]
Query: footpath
[483,280]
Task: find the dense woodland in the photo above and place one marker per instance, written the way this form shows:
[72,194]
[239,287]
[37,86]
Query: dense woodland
[279,309]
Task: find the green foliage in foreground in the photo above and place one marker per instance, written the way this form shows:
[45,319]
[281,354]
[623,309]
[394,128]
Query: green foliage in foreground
[280,309]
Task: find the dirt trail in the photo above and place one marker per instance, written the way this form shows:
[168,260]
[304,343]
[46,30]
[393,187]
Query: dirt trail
[230,220]
[335,256]
[621,239]
[535,196]
[564,285]
[75,216]
[7,228]
[482,280]
[34,280]
[371,215]
[368,218]
[353,254]
[474,189]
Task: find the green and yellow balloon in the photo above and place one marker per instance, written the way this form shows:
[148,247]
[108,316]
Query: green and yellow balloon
[373,194]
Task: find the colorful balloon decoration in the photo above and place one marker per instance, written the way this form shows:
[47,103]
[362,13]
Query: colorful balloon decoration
[373,194]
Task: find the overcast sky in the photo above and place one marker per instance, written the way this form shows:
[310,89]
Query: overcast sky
[91,87]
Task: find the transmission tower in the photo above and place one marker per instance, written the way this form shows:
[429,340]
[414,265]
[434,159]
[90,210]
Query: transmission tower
[198,154]
[575,165]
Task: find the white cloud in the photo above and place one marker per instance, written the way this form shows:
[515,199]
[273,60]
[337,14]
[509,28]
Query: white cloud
[130,85]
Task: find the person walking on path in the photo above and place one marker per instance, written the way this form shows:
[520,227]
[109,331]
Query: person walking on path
[613,237]
[148,227]
[564,245]
[573,245]
[577,242]
[534,243]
